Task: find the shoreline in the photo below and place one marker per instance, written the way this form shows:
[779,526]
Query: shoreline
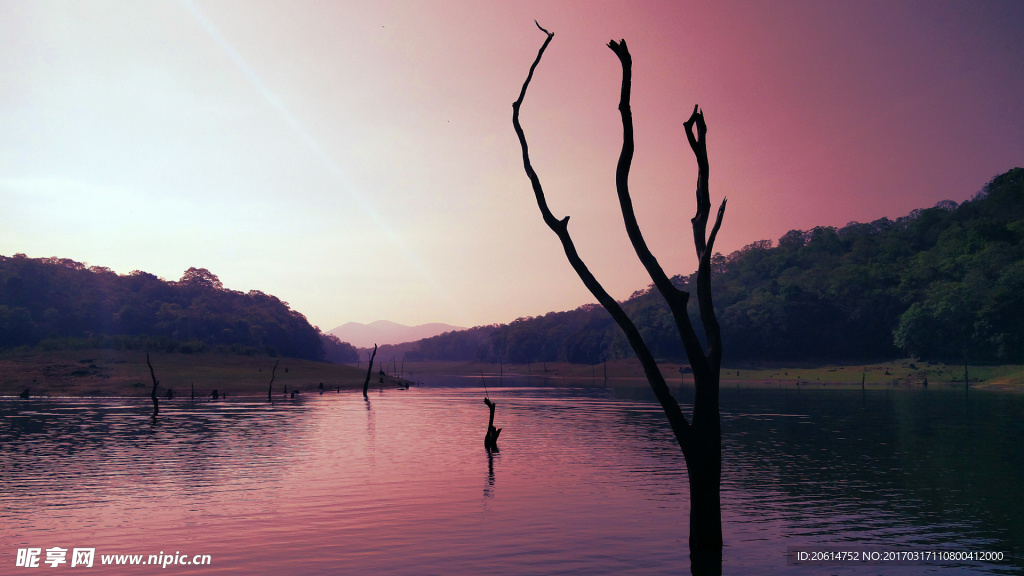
[899,374]
[124,374]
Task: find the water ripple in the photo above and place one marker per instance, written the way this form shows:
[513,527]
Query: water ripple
[587,481]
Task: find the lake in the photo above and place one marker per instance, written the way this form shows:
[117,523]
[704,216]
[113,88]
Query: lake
[587,481]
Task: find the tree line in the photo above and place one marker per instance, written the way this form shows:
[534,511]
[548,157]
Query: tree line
[944,284]
[59,303]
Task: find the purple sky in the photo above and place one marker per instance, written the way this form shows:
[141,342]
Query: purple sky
[358,159]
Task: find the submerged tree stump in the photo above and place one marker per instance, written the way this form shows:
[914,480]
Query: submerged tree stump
[156,403]
[491,438]
[270,387]
[369,370]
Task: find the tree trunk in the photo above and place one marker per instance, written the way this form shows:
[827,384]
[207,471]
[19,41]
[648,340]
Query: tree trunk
[704,469]
[491,438]
[270,387]
[700,439]
[369,370]
[156,403]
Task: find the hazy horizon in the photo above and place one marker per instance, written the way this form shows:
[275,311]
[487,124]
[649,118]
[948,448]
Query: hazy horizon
[384,332]
[358,160]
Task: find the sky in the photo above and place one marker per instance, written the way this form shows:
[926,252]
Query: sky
[357,159]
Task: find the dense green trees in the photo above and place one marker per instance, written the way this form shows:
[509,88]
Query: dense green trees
[966,291]
[939,284]
[337,351]
[59,303]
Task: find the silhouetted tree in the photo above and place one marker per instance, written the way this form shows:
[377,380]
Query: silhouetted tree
[491,438]
[369,370]
[156,403]
[270,387]
[700,439]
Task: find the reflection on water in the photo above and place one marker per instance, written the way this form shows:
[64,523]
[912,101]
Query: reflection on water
[587,481]
[489,487]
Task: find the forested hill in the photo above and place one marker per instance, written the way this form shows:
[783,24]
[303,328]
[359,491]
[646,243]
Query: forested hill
[941,283]
[60,303]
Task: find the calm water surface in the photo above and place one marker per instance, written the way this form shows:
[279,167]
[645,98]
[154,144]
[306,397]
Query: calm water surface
[588,481]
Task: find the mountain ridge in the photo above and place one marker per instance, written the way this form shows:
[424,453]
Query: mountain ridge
[386,332]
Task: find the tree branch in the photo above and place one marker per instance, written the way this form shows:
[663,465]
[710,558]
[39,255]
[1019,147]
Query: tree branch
[705,248]
[707,309]
[679,424]
[701,439]
[549,218]
[698,144]
[676,298]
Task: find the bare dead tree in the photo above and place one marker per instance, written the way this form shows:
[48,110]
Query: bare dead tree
[270,387]
[369,371]
[491,438]
[700,437]
[156,403]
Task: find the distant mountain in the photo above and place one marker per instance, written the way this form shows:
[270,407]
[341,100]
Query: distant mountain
[385,332]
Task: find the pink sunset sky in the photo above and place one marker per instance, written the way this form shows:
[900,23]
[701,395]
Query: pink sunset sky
[357,159]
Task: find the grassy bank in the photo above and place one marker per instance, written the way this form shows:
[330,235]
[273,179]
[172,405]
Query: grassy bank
[894,374]
[124,373]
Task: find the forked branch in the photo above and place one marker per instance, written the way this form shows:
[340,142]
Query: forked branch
[696,135]
[680,426]
[677,299]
